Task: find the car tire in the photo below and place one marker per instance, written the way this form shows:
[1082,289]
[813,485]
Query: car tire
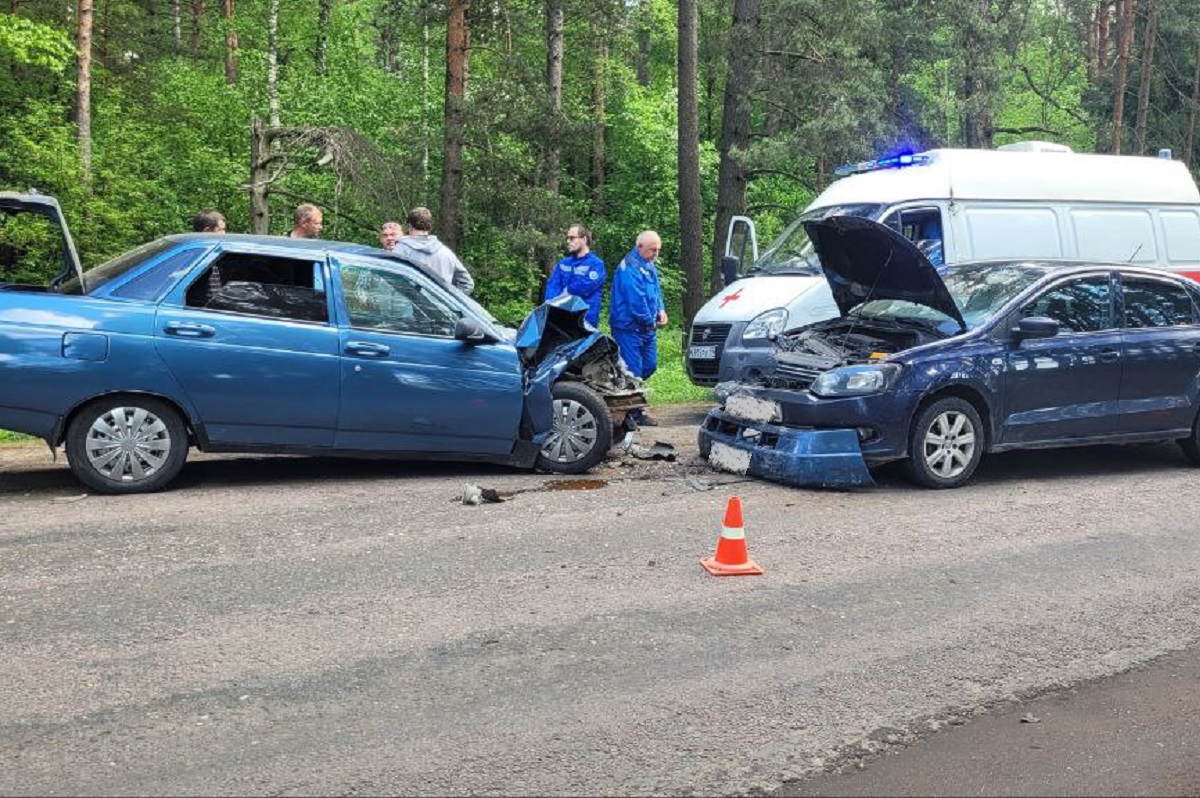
[582,433]
[1191,444]
[127,444]
[945,444]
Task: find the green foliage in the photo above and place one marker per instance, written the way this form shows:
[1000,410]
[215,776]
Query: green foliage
[670,384]
[33,44]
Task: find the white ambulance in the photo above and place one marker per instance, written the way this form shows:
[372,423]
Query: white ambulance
[1028,200]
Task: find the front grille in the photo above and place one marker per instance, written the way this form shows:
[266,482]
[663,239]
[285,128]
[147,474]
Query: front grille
[708,335]
[799,369]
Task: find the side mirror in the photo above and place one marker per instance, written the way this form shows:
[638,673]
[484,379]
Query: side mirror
[729,269]
[1035,327]
[470,331]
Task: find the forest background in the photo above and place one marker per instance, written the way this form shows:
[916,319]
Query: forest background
[514,118]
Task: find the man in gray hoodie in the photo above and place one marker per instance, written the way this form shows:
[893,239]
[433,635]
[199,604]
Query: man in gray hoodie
[422,247]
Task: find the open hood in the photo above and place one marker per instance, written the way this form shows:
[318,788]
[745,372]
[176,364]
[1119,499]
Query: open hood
[12,203]
[865,260]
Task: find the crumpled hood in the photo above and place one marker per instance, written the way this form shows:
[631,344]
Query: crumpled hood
[551,324]
[864,260]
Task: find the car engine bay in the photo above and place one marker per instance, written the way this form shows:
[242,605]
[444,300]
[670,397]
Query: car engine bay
[802,355]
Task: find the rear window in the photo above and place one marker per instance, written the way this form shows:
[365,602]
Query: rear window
[155,282]
[107,272]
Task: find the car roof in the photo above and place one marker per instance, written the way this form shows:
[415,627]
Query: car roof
[1057,266]
[278,241]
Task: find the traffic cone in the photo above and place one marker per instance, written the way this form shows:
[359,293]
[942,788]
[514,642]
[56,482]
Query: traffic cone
[731,558]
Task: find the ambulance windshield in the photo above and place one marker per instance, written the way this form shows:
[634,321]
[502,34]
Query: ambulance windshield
[792,252]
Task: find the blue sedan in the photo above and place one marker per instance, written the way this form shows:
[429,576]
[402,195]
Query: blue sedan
[937,368]
[266,344]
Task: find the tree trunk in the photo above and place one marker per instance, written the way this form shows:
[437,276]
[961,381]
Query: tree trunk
[1193,110]
[642,65]
[554,90]
[735,129]
[457,63]
[1120,81]
[322,53]
[83,96]
[260,215]
[599,107]
[273,63]
[1143,107]
[231,45]
[691,227]
[197,19]
[177,23]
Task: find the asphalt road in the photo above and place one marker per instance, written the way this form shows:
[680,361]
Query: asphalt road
[296,626]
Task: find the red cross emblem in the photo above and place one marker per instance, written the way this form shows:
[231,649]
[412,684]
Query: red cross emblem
[729,298]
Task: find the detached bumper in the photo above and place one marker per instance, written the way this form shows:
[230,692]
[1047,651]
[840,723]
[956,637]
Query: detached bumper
[827,458]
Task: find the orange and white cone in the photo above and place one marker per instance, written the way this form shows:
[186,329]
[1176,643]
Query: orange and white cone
[731,558]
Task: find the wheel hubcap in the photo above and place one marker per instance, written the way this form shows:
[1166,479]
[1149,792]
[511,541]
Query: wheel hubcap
[128,444]
[574,434]
[949,444]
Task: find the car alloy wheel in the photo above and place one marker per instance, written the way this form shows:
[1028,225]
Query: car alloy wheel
[126,446]
[946,444]
[582,432]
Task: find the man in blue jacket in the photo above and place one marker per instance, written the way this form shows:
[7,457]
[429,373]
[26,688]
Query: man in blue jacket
[581,273]
[636,309]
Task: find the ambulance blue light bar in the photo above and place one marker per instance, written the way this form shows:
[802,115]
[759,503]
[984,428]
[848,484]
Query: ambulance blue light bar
[891,162]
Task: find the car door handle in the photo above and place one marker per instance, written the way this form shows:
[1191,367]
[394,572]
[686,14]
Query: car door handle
[1109,355]
[183,329]
[363,349]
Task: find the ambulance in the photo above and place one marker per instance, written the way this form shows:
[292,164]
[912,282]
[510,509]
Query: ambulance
[1026,200]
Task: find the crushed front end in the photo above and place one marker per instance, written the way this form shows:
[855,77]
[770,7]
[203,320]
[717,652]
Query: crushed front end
[747,436]
[555,342]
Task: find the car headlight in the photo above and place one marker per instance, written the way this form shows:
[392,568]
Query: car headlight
[856,380]
[766,325]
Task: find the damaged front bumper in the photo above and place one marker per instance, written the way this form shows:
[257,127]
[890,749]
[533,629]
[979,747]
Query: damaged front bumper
[747,443]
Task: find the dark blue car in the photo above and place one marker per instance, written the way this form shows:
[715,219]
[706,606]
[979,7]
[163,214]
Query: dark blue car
[937,368]
[269,344]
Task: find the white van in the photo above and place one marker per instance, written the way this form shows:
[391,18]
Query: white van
[1034,199]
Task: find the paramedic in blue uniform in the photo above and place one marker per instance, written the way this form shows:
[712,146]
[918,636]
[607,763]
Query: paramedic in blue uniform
[636,309]
[581,273]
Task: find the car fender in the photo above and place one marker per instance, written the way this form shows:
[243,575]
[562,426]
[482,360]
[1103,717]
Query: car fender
[975,378]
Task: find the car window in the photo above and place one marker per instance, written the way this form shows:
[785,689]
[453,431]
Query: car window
[154,283]
[111,270]
[259,284]
[382,299]
[1153,303]
[1083,305]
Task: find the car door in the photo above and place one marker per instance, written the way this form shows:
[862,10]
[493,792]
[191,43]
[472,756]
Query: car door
[1065,386]
[249,340]
[1161,354]
[408,385]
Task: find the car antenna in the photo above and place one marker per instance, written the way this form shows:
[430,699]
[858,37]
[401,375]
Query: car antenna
[1136,250]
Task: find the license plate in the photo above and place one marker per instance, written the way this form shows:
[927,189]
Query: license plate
[702,352]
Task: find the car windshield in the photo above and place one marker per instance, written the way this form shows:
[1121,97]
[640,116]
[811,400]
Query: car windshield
[97,276]
[792,252]
[978,290]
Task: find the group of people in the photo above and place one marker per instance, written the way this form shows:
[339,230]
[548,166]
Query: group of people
[635,310]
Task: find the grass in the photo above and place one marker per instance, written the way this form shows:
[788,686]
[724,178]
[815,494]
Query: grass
[13,437]
[670,384]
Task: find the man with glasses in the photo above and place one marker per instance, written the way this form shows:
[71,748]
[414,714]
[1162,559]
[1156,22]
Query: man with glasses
[581,273]
[636,311]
